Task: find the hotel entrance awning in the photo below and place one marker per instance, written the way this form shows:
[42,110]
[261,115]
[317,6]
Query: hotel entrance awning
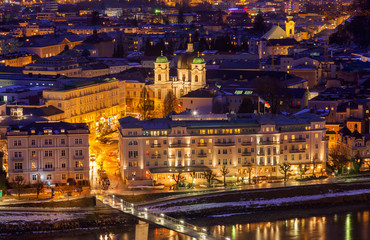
[178,169]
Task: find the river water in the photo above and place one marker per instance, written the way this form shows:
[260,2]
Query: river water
[351,225]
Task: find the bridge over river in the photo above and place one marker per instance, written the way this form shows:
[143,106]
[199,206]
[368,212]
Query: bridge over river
[160,219]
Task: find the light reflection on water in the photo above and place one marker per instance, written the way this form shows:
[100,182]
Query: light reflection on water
[346,226]
[349,226]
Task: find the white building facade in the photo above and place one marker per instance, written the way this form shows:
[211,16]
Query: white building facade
[50,151]
[158,148]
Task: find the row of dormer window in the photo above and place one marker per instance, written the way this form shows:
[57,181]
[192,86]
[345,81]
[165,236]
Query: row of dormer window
[48,142]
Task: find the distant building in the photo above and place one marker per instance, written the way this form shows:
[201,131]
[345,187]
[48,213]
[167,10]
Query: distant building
[50,151]
[8,45]
[17,59]
[102,42]
[56,65]
[275,42]
[34,29]
[50,45]
[114,12]
[50,5]
[354,144]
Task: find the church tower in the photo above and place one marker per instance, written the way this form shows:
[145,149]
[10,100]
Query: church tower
[289,23]
[198,73]
[161,70]
[289,26]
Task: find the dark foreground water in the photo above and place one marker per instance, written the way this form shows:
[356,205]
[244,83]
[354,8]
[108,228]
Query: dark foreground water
[352,225]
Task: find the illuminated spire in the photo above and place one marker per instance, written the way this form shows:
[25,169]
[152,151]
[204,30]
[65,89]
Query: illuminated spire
[190,45]
[290,8]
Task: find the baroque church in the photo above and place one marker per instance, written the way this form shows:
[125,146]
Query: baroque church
[191,75]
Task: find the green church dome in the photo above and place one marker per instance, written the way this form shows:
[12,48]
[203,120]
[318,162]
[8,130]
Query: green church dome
[198,60]
[161,59]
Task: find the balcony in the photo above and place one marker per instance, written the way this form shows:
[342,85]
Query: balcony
[268,142]
[261,154]
[202,155]
[18,170]
[156,156]
[297,140]
[78,156]
[171,157]
[297,150]
[179,145]
[17,158]
[202,144]
[244,154]
[48,169]
[246,143]
[157,145]
[79,168]
[224,144]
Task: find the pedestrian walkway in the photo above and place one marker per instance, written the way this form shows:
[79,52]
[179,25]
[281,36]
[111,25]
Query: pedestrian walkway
[160,219]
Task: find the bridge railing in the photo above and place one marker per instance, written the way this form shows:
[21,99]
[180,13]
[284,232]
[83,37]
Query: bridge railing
[116,202]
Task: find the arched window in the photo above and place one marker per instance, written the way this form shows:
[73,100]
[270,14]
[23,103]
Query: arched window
[183,77]
[196,78]
[159,77]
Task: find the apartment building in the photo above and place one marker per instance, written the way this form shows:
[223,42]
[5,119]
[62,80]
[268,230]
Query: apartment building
[49,150]
[158,148]
[94,101]
[56,65]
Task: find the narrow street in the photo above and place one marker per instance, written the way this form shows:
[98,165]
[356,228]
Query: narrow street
[107,155]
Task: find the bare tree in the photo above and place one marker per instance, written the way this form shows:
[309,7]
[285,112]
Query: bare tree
[285,169]
[177,178]
[315,161]
[169,103]
[224,171]
[18,184]
[39,187]
[357,161]
[192,175]
[271,89]
[209,175]
[247,106]
[3,181]
[338,159]
[302,170]
[146,105]
[249,173]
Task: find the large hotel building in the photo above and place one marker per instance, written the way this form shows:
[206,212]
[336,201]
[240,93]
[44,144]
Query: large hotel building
[155,149]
